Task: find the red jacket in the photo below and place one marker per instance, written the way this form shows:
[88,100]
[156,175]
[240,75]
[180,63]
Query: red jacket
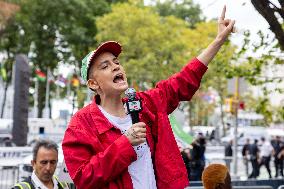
[97,155]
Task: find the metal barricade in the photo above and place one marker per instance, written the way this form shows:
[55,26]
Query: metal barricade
[237,187]
[252,187]
[8,176]
[281,187]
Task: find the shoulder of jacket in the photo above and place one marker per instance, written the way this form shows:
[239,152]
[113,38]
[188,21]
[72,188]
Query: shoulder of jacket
[80,115]
[83,110]
[23,185]
[61,185]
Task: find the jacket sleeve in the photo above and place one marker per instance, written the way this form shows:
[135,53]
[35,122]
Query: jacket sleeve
[88,164]
[179,87]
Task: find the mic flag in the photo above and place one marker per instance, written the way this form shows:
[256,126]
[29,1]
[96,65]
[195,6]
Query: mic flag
[132,105]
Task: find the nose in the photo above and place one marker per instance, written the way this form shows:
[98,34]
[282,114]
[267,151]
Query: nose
[48,166]
[115,67]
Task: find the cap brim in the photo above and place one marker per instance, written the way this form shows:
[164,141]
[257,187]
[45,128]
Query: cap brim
[109,46]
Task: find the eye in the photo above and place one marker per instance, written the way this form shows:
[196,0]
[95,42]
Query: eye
[44,162]
[116,61]
[104,66]
[53,162]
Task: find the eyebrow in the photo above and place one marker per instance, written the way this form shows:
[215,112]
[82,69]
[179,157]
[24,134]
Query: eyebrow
[106,61]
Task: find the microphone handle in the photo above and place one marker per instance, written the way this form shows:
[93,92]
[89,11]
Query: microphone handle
[134,117]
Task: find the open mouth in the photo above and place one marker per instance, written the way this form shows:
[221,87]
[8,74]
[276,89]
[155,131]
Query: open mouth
[118,78]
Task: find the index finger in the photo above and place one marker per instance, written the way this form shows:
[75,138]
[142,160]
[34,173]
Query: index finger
[222,17]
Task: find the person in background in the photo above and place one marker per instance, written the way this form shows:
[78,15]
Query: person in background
[197,161]
[228,154]
[278,160]
[45,158]
[281,154]
[245,154]
[254,156]
[216,176]
[186,156]
[266,150]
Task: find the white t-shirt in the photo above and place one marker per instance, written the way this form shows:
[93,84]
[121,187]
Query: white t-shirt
[266,149]
[141,170]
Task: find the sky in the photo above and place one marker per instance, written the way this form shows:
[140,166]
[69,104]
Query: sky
[242,11]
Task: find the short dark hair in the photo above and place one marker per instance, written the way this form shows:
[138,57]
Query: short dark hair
[48,144]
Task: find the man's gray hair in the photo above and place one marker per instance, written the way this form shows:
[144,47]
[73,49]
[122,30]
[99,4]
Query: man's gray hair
[48,144]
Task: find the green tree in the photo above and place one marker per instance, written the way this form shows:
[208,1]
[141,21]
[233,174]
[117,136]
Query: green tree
[254,66]
[51,32]
[279,114]
[185,10]
[8,47]
[220,69]
[156,47]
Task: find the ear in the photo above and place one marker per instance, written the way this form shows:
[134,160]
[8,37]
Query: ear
[33,163]
[93,84]
[220,186]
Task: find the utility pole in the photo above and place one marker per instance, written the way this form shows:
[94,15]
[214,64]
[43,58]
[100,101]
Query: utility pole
[46,107]
[235,113]
[36,98]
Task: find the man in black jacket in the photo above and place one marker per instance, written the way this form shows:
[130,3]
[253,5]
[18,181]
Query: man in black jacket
[278,146]
[254,156]
[45,158]
[197,162]
[228,154]
[245,154]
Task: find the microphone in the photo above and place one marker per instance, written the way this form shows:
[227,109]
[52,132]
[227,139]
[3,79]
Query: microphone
[132,105]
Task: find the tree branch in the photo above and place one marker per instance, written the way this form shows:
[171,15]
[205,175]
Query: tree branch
[281,2]
[262,6]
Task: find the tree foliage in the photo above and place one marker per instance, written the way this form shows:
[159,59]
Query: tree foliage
[53,32]
[7,10]
[185,10]
[150,42]
[155,47]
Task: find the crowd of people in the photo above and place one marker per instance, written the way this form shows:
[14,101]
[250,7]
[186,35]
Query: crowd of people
[255,155]
[260,154]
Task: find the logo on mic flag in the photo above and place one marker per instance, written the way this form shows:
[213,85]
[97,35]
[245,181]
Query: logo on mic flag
[134,106]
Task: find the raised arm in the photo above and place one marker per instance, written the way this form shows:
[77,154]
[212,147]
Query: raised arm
[225,27]
[183,85]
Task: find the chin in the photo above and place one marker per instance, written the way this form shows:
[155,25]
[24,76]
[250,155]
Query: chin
[125,87]
[121,89]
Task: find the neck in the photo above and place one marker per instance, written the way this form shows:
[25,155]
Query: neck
[113,105]
[49,184]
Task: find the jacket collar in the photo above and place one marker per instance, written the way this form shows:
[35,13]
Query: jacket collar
[100,121]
